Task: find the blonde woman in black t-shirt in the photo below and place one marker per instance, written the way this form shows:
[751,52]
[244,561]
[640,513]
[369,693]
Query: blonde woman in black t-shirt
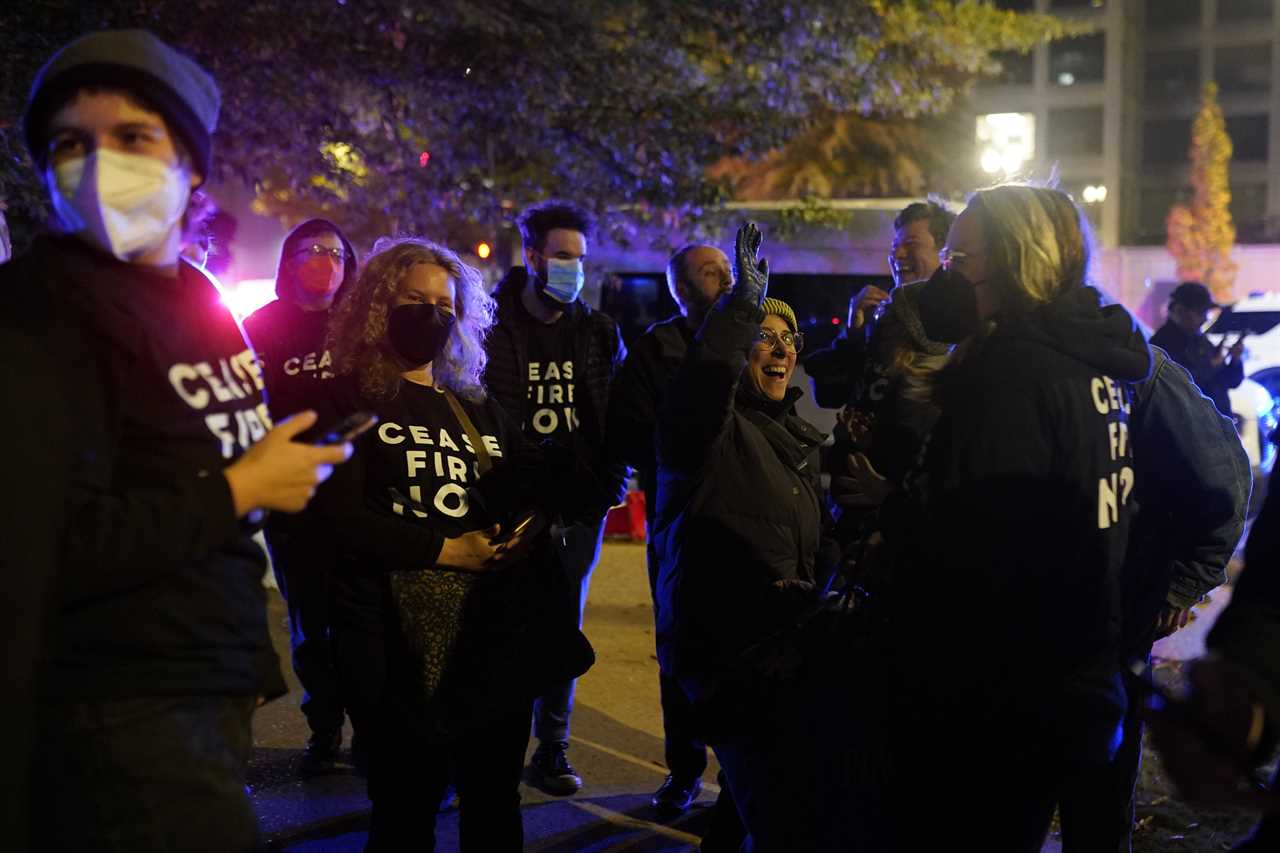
[426,570]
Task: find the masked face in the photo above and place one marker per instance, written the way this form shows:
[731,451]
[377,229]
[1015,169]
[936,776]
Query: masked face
[117,177]
[558,267]
[948,306]
[418,332]
[318,267]
[122,203]
[419,323]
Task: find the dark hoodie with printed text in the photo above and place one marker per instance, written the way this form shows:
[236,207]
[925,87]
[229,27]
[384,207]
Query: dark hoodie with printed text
[1017,552]
[289,341]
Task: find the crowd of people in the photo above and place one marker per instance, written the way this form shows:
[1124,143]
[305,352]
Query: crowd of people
[1014,470]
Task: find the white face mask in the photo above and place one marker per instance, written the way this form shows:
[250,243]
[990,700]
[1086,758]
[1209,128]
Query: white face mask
[121,203]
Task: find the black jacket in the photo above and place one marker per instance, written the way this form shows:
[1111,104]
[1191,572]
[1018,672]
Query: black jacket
[1193,486]
[1018,549]
[1248,631]
[738,509]
[652,363]
[157,588]
[598,349]
[1193,352]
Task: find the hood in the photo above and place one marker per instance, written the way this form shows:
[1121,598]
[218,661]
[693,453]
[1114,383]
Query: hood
[349,271]
[1079,325]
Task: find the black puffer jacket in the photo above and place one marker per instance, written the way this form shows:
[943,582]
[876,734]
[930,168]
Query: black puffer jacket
[738,509]
[598,349]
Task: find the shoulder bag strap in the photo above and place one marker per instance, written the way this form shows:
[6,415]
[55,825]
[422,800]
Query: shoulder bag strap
[483,462]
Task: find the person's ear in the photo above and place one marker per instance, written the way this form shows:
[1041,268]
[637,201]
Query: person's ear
[529,254]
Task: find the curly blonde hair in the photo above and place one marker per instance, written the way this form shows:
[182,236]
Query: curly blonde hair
[357,331]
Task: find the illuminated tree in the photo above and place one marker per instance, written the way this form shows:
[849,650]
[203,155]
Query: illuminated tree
[396,115]
[1200,234]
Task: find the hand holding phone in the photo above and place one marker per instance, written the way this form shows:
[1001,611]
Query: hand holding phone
[347,429]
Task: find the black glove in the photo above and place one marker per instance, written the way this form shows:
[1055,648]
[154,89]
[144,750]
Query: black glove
[750,273]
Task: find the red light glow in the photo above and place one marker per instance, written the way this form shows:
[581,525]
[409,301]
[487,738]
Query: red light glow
[424,158]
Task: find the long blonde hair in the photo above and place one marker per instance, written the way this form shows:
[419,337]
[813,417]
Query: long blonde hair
[358,329]
[1039,244]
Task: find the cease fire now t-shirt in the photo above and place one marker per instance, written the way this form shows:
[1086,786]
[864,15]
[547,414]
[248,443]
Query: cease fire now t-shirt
[550,410]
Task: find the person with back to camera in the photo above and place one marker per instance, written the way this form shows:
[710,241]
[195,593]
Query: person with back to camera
[1014,556]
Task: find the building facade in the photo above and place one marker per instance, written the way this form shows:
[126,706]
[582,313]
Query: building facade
[1112,110]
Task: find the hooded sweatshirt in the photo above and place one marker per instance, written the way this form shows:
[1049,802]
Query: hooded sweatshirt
[291,341]
[152,391]
[1028,495]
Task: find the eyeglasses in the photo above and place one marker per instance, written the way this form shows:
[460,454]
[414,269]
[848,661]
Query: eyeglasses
[769,339]
[315,250]
[949,256]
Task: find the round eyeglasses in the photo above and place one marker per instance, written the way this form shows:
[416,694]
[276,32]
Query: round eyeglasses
[315,250]
[769,339]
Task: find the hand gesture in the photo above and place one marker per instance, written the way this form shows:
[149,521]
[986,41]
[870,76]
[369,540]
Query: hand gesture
[750,273]
[864,304]
[1237,349]
[864,488]
[280,473]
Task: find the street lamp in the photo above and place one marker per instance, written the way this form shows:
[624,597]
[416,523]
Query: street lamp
[1006,141]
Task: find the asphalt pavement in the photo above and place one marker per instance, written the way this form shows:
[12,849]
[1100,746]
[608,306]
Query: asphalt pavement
[616,744]
[616,747]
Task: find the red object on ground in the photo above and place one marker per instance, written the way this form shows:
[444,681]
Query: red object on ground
[627,521]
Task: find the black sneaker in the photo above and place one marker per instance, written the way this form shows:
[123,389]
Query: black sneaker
[321,754]
[550,771]
[676,795]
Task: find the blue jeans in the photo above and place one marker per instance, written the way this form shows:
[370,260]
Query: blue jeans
[578,552]
[143,775]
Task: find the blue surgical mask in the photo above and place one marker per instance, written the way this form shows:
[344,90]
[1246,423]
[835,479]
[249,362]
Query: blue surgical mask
[564,279]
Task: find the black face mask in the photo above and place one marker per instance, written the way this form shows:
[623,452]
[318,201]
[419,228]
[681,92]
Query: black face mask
[418,331]
[948,307]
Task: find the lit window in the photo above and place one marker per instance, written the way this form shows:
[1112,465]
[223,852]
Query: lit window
[1078,60]
[1006,141]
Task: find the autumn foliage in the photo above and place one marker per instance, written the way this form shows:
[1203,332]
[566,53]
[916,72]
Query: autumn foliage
[1200,234]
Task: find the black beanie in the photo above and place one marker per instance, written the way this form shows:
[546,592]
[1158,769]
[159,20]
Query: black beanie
[138,62]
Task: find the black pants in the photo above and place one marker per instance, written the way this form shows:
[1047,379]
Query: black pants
[1003,776]
[408,776]
[805,772]
[685,752]
[303,557]
[1097,806]
[143,775]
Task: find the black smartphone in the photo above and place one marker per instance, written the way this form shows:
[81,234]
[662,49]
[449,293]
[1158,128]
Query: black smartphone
[343,431]
[515,529]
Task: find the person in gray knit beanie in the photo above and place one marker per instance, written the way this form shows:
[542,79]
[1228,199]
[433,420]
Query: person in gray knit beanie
[137,586]
[135,61]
